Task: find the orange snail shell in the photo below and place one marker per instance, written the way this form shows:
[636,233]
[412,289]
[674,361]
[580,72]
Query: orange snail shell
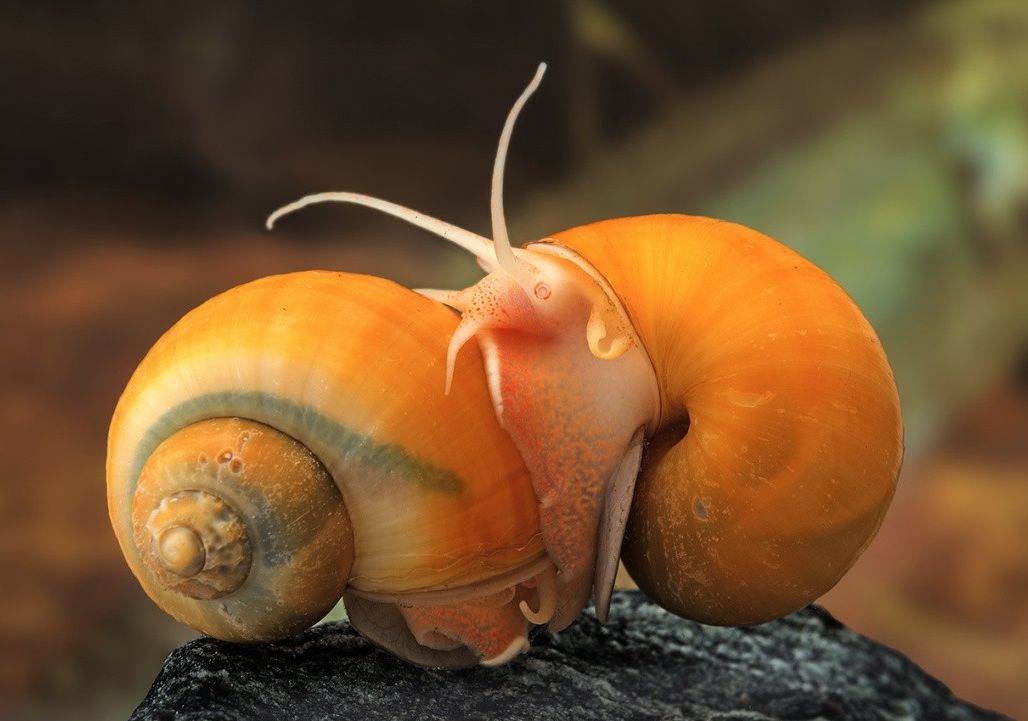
[289,439]
[794,437]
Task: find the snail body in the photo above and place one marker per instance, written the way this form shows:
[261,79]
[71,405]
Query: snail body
[686,386]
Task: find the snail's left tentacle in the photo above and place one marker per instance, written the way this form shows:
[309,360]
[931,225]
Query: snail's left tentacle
[479,246]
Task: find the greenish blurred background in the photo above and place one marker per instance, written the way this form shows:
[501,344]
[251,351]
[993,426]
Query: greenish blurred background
[142,145]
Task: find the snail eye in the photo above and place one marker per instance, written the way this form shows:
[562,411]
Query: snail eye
[542,291]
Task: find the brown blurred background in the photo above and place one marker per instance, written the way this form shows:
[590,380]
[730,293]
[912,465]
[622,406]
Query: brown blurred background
[142,145]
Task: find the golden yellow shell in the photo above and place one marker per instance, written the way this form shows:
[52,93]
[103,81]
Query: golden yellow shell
[351,367]
[792,435]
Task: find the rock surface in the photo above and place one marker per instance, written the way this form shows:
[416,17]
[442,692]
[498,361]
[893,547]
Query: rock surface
[644,664]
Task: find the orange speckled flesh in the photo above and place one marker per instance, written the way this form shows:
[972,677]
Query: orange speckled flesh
[794,436]
[352,367]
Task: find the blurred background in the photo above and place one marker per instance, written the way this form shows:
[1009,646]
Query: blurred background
[142,145]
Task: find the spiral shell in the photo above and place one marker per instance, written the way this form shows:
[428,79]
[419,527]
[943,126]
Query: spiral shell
[779,439]
[289,439]
[240,531]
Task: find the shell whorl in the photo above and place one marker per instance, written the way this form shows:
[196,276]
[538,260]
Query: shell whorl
[779,440]
[344,368]
[196,544]
[240,531]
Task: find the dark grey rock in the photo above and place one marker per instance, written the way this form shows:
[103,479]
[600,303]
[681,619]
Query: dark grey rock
[644,664]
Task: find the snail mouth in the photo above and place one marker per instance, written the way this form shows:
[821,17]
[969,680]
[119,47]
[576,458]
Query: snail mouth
[197,545]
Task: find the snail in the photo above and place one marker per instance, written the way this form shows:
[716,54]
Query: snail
[682,393]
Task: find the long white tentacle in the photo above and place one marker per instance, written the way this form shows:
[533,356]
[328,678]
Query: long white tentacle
[488,252]
[501,240]
[481,247]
